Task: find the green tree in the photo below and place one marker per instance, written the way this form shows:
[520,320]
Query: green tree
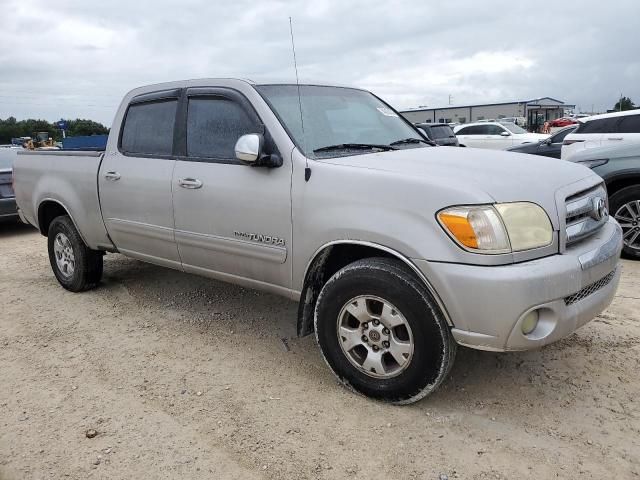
[12,128]
[624,103]
[85,127]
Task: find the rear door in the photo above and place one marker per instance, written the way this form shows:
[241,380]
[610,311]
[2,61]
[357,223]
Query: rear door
[135,181]
[588,135]
[627,129]
[233,221]
[495,137]
[472,136]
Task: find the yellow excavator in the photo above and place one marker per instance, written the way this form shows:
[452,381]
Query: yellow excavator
[40,140]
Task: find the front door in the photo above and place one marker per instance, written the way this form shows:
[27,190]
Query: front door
[135,182]
[233,221]
[497,137]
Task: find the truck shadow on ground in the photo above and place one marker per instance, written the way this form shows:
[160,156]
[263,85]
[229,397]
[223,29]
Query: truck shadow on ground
[478,379]
[15,229]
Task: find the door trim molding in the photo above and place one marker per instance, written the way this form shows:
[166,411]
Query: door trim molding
[270,253]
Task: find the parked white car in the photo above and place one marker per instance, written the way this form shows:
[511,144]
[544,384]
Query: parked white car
[602,131]
[494,135]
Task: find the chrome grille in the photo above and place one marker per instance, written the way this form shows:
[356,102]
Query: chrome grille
[589,289]
[585,213]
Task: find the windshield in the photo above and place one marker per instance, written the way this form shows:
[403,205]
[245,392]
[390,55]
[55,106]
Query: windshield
[513,128]
[337,117]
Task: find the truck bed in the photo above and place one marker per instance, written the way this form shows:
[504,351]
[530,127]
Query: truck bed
[69,178]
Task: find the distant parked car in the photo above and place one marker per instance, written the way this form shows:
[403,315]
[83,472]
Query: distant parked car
[549,147]
[440,133]
[603,130]
[8,210]
[520,121]
[563,122]
[494,135]
[619,166]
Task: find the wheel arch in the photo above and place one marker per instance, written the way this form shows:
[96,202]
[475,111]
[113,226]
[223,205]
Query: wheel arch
[48,210]
[615,183]
[333,256]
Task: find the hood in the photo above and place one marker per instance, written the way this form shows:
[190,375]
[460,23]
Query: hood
[497,175]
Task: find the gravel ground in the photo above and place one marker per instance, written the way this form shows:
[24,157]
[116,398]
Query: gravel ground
[183,377]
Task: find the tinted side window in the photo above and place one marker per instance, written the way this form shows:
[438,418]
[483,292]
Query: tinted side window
[494,130]
[559,137]
[473,130]
[604,125]
[148,128]
[214,125]
[630,124]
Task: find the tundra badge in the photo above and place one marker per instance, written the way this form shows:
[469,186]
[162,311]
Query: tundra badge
[258,237]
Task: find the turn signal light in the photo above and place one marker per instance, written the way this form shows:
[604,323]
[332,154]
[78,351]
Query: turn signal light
[459,226]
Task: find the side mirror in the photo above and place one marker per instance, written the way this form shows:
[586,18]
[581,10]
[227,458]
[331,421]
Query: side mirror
[423,132]
[249,150]
[505,134]
[249,147]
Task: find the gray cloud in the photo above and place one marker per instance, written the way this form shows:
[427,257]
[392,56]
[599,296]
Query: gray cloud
[76,58]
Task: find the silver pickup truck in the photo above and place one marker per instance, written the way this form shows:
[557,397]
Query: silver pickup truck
[397,251]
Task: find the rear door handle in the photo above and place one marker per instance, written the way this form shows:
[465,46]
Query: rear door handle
[113,176]
[191,183]
[615,138]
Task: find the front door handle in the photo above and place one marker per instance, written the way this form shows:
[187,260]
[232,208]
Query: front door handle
[615,138]
[191,183]
[113,176]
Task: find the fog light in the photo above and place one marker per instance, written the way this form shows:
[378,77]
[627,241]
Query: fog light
[530,322]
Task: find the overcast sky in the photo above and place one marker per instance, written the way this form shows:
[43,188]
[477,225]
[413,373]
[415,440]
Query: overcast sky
[68,58]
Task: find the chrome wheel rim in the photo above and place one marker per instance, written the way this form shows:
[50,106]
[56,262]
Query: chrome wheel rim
[628,216]
[375,337]
[65,258]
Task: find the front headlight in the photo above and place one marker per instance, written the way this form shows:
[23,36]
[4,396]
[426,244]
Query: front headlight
[499,228]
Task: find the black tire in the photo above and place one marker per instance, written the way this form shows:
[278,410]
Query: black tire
[616,201]
[434,348]
[88,263]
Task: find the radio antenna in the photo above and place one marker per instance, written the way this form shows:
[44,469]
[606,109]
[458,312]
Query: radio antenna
[307,169]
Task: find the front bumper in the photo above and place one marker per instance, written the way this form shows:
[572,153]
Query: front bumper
[8,209]
[487,305]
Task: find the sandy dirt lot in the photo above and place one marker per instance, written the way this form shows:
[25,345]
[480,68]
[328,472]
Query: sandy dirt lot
[183,377]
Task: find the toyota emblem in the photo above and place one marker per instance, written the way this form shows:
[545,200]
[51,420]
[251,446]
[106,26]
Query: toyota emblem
[599,208]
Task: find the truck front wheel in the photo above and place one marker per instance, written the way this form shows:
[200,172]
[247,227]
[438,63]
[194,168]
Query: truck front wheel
[381,332]
[76,266]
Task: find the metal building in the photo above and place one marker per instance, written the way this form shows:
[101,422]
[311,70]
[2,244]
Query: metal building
[530,112]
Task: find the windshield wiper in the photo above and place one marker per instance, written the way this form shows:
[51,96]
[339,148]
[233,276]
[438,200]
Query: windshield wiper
[413,140]
[355,146]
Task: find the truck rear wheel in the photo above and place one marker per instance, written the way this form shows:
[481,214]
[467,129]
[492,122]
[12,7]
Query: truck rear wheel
[625,207]
[381,332]
[76,266]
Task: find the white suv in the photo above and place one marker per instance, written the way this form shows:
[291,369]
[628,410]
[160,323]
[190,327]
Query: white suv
[494,135]
[602,131]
